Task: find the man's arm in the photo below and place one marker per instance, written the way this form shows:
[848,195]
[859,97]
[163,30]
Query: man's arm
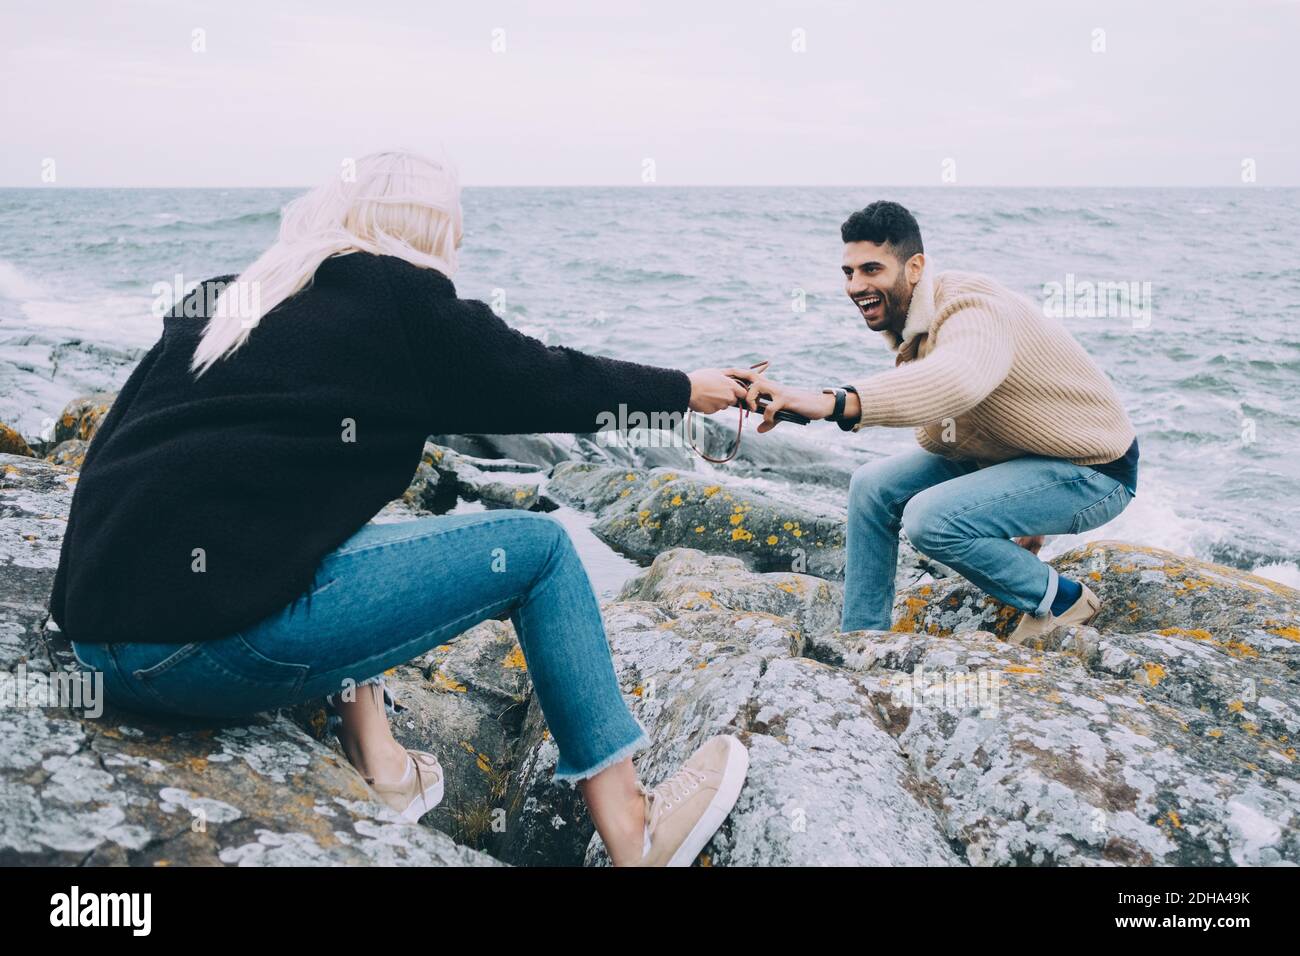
[972,358]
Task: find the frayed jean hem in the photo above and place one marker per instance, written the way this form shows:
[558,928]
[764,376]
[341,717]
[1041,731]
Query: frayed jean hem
[332,719]
[572,777]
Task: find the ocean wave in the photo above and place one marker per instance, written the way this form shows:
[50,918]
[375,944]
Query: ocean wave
[17,286]
[244,219]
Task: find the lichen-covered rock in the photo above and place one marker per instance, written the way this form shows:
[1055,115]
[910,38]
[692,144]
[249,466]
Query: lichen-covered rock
[590,486]
[685,579]
[429,490]
[646,512]
[498,483]
[1163,735]
[1149,589]
[1141,589]
[1088,754]
[71,453]
[546,823]
[827,784]
[539,451]
[81,416]
[643,513]
[34,500]
[465,702]
[85,783]
[119,789]
[12,443]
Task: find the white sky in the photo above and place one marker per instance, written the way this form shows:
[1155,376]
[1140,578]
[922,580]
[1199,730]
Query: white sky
[1011,91]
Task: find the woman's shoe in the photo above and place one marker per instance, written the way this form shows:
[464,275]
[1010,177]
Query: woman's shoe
[684,811]
[418,792]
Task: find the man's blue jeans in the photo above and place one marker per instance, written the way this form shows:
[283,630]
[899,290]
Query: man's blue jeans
[965,516]
[387,595]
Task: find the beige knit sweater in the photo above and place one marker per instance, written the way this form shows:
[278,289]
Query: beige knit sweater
[981,373]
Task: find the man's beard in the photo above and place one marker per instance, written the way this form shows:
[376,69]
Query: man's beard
[897,301]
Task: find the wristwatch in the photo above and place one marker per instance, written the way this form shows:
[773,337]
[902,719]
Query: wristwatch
[841,396]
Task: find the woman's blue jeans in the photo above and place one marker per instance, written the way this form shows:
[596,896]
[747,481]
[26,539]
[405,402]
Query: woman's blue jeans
[385,596]
[965,516]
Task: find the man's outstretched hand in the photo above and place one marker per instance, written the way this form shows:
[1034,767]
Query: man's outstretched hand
[808,402]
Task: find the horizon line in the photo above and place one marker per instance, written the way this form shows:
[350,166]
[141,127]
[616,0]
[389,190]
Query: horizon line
[651,186]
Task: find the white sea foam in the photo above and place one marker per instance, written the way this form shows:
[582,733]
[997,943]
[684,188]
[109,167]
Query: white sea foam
[1153,519]
[15,285]
[1283,572]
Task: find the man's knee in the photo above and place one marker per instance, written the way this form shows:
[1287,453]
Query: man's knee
[869,485]
[926,524]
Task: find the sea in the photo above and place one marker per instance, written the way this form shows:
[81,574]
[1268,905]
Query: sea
[1189,299]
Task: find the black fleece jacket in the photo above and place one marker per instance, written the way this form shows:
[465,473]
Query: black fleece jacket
[246,473]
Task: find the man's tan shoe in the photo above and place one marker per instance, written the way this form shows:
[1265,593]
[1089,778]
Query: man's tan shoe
[1080,612]
[684,811]
[418,792]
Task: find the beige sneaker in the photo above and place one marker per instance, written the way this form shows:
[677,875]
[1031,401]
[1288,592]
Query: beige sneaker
[1080,612]
[418,792]
[684,811]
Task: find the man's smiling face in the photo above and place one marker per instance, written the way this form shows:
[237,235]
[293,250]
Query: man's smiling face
[879,285]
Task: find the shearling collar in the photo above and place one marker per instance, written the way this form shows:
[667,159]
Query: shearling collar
[920,312]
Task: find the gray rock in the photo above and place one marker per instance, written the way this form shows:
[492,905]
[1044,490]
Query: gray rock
[642,516]
[1163,735]
[827,785]
[71,453]
[465,701]
[81,416]
[540,451]
[685,579]
[13,443]
[1141,589]
[84,783]
[1035,758]
[498,483]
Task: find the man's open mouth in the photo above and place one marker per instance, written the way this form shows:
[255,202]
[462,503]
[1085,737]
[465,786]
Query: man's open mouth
[870,304]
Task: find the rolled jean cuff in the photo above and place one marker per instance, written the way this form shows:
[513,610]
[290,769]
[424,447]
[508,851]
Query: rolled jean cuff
[1045,605]
[332,719]
[572,777]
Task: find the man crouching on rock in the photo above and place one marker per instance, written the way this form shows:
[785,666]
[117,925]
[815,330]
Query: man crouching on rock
[1021,434]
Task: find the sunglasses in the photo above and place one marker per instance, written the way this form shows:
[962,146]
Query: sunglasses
[760,406]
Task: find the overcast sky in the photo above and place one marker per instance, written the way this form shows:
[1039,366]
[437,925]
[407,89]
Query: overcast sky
[1008,92]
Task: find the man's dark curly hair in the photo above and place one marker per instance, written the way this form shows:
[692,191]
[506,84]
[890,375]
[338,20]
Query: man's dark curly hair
[885,222]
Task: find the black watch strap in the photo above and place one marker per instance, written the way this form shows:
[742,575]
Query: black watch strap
[840,398]
[846,424]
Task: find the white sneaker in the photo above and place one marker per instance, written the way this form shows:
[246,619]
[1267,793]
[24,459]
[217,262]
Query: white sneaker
[684,811]
[419,790]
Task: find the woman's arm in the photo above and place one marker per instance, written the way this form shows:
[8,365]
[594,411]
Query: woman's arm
[484,376]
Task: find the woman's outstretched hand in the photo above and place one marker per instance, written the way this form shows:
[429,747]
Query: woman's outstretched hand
[712,390]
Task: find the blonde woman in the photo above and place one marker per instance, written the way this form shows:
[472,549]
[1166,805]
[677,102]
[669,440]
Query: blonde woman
[218,561]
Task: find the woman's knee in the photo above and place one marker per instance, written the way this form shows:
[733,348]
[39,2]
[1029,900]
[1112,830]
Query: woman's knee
[546,537]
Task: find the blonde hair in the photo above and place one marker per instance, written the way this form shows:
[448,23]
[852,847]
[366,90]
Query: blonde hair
[391,203]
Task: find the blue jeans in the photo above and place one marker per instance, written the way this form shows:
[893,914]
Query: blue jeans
[965,516]
[386,595]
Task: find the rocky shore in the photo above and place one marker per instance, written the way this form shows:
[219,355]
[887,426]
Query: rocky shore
[1163,734]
